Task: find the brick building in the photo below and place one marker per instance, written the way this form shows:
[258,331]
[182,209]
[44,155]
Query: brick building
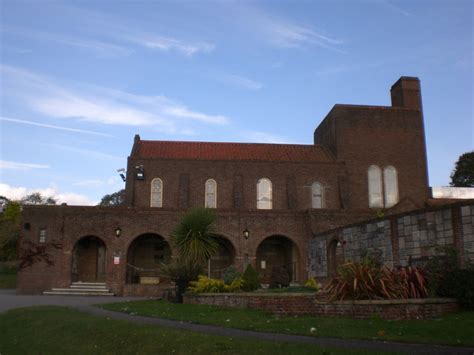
[270,199]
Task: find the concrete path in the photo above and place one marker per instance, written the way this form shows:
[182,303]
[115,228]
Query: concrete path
[9,300]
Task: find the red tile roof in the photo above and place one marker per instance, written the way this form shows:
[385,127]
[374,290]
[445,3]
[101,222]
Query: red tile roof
[230,151]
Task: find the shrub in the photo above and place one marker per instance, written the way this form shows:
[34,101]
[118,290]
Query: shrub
[438,268]
[311,283]
[359,281]
[250,278]
[207,285]
[459,284]
[280,277]
[230,274]
[236,285]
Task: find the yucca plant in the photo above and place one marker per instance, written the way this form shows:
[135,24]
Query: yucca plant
[194,236]
[412,282]
[364,281]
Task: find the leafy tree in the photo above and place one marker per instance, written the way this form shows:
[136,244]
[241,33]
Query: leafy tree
[115,199]
[37,199]
[463,173]
[9,230]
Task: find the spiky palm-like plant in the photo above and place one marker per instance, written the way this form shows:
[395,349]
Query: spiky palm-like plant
[194,236]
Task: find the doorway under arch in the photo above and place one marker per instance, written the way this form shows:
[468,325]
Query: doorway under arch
[335,257]
[277,251]
[224,258]
[144,256]
[88,260]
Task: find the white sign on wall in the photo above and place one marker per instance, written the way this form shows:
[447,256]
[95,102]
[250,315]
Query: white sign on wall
[263,264]
[116,260]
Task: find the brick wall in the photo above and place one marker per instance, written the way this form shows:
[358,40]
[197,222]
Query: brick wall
[304,304]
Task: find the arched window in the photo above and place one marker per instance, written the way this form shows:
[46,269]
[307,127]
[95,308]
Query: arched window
[156,199]
[390,180]
[211,194]
[375,186]
[317,195]
[264,194]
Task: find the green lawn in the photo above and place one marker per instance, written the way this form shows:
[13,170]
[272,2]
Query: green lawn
[60,330]
[455,329]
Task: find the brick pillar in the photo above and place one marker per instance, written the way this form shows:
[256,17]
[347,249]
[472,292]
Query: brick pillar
[458,240]
[394,239]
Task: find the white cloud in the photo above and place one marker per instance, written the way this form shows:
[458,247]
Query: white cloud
[44,125]
[112,181]
[395,8]
[100,105]
[12,165]
[240,81]
[71,198]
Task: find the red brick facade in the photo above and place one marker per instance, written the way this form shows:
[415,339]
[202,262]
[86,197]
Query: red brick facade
[347,142]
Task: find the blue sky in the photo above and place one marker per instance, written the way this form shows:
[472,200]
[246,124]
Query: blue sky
[79,79]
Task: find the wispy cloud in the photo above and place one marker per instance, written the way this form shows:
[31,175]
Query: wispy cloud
[18,192]
[72,41]
[284,33]
[111,181]
[101,105]
[240,81]
[332,70]
[394,7]
[166,43]
[44,125]
[13,165]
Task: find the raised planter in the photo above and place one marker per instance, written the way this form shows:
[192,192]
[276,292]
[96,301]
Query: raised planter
[304,304]
[148,290]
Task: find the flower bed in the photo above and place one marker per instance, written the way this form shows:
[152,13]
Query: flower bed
[305,304]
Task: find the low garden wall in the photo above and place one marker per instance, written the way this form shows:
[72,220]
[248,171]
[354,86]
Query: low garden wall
[146,290]
[304,304]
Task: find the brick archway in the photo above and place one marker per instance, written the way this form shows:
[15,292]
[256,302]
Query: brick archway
[88,260]
[144,255]
[224,257]
[335,256]
[277,251]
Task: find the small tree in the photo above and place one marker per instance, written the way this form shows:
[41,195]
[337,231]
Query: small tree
[250,278]
[463,173]
[194,240]
[115,199]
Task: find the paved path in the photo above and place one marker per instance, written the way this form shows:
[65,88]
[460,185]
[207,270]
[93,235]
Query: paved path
[9,300]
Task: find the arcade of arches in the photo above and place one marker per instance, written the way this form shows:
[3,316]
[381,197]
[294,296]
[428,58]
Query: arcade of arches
[147,251]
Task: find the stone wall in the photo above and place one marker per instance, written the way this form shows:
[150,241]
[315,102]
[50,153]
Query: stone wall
[467,215]
[403,239]
[308,304]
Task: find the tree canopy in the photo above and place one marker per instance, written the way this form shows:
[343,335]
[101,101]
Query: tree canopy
[37,199]
[115,199]
[463,173]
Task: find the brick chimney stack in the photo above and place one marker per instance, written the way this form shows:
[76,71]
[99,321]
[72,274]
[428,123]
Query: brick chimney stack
[406,92]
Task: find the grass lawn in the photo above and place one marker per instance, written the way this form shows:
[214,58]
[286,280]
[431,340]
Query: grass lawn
[7,280]
[61,330]
[455,329]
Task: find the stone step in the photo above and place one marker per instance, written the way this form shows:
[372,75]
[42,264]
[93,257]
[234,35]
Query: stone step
[75,290]
[68,293]
[95,287]
[80,283]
